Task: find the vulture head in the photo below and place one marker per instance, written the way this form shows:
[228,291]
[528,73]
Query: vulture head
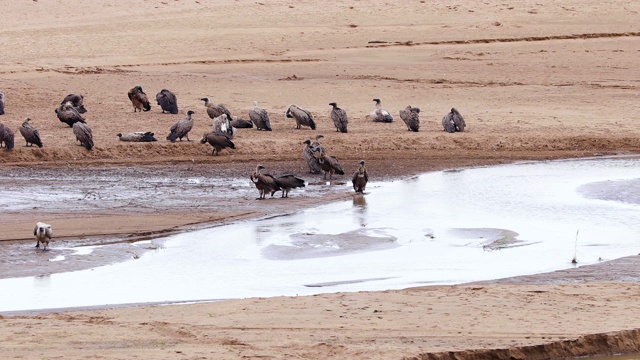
[377,101]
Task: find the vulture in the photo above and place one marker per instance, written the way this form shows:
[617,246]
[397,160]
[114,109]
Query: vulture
[1,103]
[139,99]
[181,128]
[43,233]
[30,134]
[260,117]
[215,110]
[222,125]
[265,183]
[380,114]
[76,101]
[288,182]
[239,123]
[307,153]
[138,136]
[302,116]
[167,101]
[360,178]
[411,117]
[83,135]
[218,140]
[316,144]
[329,164]
[6,137]
[339,117]
[68,114]
[453,121]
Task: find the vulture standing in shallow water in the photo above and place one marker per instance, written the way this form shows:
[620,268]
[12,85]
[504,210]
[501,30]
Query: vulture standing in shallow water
[288,182]
[239,123]
[139,99]
[167,101]
[380,114]
[1,103]
[30,134]
[77,101]
[218,140]
[265,183]
[6,137]
[307,153]
[411,117]
[339,117]
[302,116]
[360,178]
[329,164]
[453,121]
[260,117]
[215,110]
[68,114]
[138,136]
[83,134]
[181,128]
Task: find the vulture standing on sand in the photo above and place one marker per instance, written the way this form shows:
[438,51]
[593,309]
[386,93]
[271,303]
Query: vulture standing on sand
[265,183]
[239,123]
[167,101]
[139,99]
[181,128]
[312,161]
[339,117]
[288,182]
[83,135]
[411,117]
[68,114]
[302,116]
[329,164]
[138,136]
[43,234]
[222,125]
[1,103]
[360,178]
[215,110]
[380,114]
[6,137]
[260,117]
[30,134]
[453,121]
[218,140]
[76,100]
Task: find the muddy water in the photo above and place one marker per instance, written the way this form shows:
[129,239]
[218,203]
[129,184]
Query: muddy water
[438,228]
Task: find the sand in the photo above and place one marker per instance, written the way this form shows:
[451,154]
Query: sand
[535,80]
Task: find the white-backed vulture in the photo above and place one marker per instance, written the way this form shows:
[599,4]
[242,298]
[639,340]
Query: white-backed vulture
[6,137]
[302,116]
[68,114]
[339,117]
[380,114]
[76,100]
[239,123]
[316,144]
[1,103]
[312,161]
[138,136]
[83,135]
[167,101]
[411,117]
[265,183]
[453,122]
[360,178]
[30,134]
[222,125]
[43,233]
[139,99]
[260,117]
[288,182]
[329,164]
[218,140]
[215,110]
[181,128]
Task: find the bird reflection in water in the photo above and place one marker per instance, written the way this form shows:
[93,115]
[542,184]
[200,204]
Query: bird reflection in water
[360,207]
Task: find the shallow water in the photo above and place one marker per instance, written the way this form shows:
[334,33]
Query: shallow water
[438,228]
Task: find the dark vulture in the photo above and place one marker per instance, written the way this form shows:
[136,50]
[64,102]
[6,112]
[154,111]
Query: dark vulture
[307,153]
[167,101]
[329,164]
[302,116]
[360,178]
[339,117]
[218,140]
[411,117]
[215,110]
[380,114]
[288,182]
[260,117]
[6,137]
[68,114]
[453,121]
[138,136]
[139,99]
[30,134]
[181,128]
[83,135]
[76,100]
[1,103]
[222,125]
[265,183]
[239,123]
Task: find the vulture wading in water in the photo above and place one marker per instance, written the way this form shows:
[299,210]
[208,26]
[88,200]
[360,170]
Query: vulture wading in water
[411,117]
[68,114]
[302,116]
[260,117]
[1,103]
[77,101]
[215,110]
[181,128]
[239,123]
[6,137]
[360,178]
[139,99]
[30,134]
[222,125]
[218,140]
[43,234]
[339,117]
[329,164]
[312,161]
[288,182]
[138,136]
[453,122]
[380,114]
[83,135]
[265,183]
[167,101]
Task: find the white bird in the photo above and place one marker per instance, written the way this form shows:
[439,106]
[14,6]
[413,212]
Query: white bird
[43,233]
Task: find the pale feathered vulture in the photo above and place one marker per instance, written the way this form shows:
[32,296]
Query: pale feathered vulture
[43,233]
[288,182]
[329,164]
[218,140]
[360,178]
[167,101]
[181,128]
[453,121]
[6,137]
[302,116]
[139,99]
[138,136]
[83,135]
[215,110]
[316,144]
[1,103]
[411,117]
[339,117]
[76,100]
[260,117]
[312,161]
[239,123]
[30,134]
[68,114]
[265,183]
[222,125]
[380,114]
